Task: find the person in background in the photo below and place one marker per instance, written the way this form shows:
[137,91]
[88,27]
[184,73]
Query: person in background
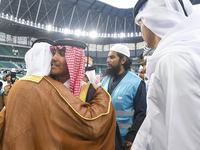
[174,74]
[89,75]
[4,80]
[1,98]
[88,88]
[42,113]
[6,88]
[8,80]
[98,79]
[127,91]
[1,86]
[141,73]
[144,58]
[16,79]
[143,62]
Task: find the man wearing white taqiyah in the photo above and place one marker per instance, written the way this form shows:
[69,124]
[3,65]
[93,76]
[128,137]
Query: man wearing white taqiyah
[173,98]
[127,91]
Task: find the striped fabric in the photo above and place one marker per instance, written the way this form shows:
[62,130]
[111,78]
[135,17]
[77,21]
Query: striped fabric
[75,58]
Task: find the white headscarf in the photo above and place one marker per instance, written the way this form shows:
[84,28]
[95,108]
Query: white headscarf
[38,59]
[167,20]
[160,16]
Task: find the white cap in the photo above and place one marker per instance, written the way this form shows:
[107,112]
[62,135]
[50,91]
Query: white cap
[121,49]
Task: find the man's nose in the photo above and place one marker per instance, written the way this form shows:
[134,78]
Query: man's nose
[108,60]
[54,58]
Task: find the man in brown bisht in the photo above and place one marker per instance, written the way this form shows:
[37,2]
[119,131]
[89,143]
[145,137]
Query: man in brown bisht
[43,114]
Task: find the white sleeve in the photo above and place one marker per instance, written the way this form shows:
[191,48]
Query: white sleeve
[180,83]
[142,138]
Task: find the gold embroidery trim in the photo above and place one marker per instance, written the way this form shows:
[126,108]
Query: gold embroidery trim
[33,78]
[103,114]
[83,92]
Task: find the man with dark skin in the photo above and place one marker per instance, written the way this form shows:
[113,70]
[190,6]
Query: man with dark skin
[127,92]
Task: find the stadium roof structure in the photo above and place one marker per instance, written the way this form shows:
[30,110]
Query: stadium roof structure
[77,19]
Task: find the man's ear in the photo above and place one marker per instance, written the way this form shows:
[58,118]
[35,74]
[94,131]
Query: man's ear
[123,60]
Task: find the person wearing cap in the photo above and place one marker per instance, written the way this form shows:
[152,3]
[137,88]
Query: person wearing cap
[141,72]
[6,88]
[42,113]
[1,92]
[173,113]
[127,91]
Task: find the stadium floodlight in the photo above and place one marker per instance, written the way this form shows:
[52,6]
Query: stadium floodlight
[27,22]
[11,17]
[131,34]
[56,29]
[83,33]
[66,31]
[77,32]
[19,20]
[93,34]
[115,35]
[59,30]
[49,27]
[23,21]
[52,29]
[122,35]
[16,19]
[140,33]
[38,25]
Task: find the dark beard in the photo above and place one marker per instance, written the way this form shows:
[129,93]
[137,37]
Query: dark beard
[113,71]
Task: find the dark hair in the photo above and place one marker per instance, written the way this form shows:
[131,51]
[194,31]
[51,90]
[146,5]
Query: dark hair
[8,75]
[128,63]
[51,42]
[141,55]
[137,7]
[70,42]
[1,84]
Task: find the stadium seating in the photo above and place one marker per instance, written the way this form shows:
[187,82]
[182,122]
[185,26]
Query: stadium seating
[6,64]
[22,50]
[6,50]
